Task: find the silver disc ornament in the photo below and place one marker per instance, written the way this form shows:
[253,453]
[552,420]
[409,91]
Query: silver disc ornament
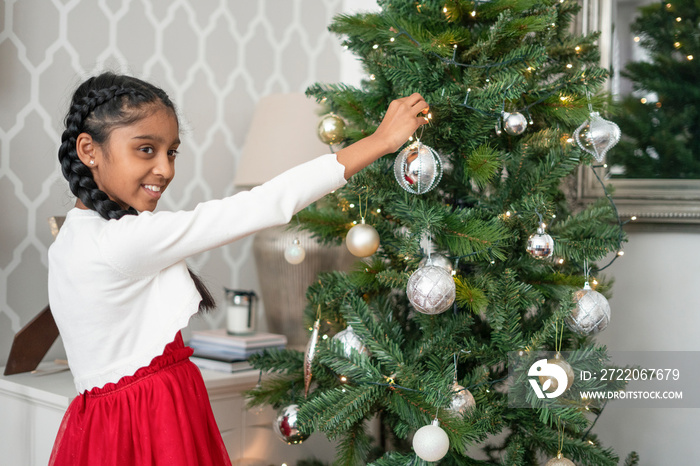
[591,313]
[437,260]
[514,123]
[362,240]
[540,245]
[597,136]
[331,129]
[418,168]
[431,289]
[286,425]
[350,341]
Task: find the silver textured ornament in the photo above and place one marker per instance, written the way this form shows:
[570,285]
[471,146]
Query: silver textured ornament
[309,356]
[462,400]
[560,461]
[553,384]
[597,136]
[431,289]
[294,253]
[418,168]
[514,123]
[438,260]
[350,341]
[286,425]
[362,240]
[540,245]
[331,129]
[591,313]
[431,442]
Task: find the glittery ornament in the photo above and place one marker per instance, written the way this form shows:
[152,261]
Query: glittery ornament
[362,240]
[431,442]
[350,341]
[540,245]
[597,136]
[462,400]
[591,314]
[418,168]
[431,289]
[294,253]
[309,356]
[331,129]
[553,384]
[560,461]
[438,260]
[514,123]
[287,427]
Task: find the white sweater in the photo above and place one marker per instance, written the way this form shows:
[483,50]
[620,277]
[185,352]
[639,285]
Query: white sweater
[119,290]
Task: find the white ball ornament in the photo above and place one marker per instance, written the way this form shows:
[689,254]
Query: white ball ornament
[591,314]
[294,253]
[362,240]
[431,442]
[431,290]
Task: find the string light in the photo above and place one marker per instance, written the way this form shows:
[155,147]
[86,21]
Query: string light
[636,38]
[690,57]
[569,65]
[375,46]
[577,48]
[352,206]
[392,39]
[444,9]
[679,19]
[634,217]
[677,45]
[371,76]
[379,211]
[620,253]
[643,100]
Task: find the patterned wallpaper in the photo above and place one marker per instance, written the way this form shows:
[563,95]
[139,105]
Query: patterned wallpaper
[215,58]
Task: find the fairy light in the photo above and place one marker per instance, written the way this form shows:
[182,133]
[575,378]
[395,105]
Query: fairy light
[379,211]
[595,282]
[668,5]
[561,261]
[352,206]
[569,65]
[577,48]
[643,100]
[508,213]
[444,9]
[634,217]
[689,57]
[678,20]
[636,38]
[620,253]
[371,76]
[345,46]
[473,13]
[325,337]
[375,46]
[677,45]
[343,379]
[392,39]
[354,222]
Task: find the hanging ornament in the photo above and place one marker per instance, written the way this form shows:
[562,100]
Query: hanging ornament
[540,245]
[294,253]
[431,442]
[550,384]
[350,341]
[560,461]
[462,400]
[437,260]
[431,289]
[591,313]
[514,123]
[418,168]
[287,427]
[362,239]
[331,129]
[597,136]
[309,356]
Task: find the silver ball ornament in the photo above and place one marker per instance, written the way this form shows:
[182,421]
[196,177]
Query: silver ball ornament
[350,341]
[462,400]
[438,260]
[431,442]
[294,253]
[514,123]
[597,136]
[418,168]
[331,129]
[362,240]
[286,425]
[540,245]
[591,313]
[559,360]
[431,289]
[560,461]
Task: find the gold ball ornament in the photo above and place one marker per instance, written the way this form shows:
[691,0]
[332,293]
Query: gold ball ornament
[559,360]
[431,442]
[560,461]
[331,129]
[362,240]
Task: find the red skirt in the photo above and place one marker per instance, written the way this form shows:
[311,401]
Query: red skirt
[161,415]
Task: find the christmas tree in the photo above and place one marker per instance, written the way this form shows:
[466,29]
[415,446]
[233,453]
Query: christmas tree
[660,120]
[507,83]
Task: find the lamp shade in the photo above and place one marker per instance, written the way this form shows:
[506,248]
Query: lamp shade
[281,136]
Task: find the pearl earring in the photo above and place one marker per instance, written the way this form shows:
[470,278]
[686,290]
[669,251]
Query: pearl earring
[92,162]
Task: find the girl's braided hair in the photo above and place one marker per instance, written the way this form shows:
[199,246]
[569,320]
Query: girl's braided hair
[99,105]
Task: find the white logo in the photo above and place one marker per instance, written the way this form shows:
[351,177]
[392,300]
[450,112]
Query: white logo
[543,368]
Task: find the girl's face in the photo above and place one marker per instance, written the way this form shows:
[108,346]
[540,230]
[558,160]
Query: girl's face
[137,162]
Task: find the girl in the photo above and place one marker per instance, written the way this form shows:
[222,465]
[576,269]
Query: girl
[119,288]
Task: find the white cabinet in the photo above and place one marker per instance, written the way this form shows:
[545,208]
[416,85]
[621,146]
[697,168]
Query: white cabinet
[32,407]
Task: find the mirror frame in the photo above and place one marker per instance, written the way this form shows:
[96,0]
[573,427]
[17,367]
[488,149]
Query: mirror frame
[659,201]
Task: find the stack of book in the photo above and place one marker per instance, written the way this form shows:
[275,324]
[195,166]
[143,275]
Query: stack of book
[219,351]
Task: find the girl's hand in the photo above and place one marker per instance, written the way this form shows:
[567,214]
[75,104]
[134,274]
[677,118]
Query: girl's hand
[403,117]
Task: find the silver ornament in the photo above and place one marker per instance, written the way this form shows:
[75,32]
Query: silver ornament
[553,384]
[331,129]
[560,461]
[597,136]
[362,240]
[514,123]
[438,260]
[350,341]
[540,245]
[418,168]
[294,253]
[431,289]
[462,400]
[287,427]
[591,313]
[431,442]
[309,356]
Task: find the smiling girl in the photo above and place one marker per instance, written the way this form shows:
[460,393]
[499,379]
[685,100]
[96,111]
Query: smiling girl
[119,288]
